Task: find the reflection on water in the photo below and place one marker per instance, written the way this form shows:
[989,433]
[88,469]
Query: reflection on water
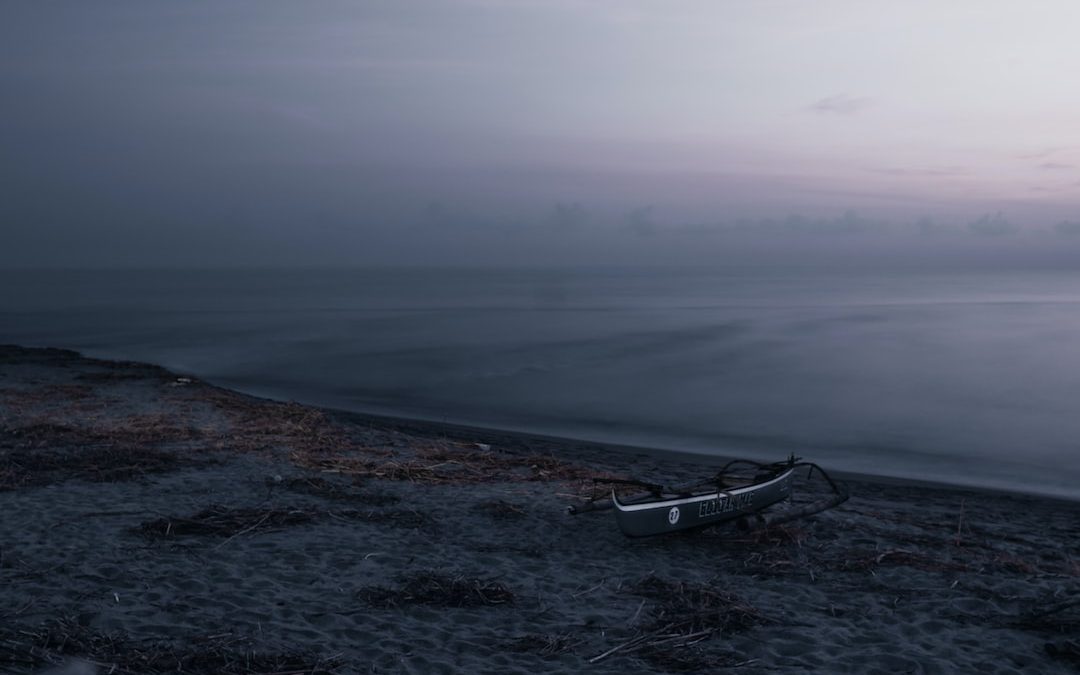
[900,373]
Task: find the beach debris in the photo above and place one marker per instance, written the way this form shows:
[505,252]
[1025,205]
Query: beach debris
[690,658]
[683,615]
[590,589]
[499,509]
[68,429]
[692,608]
[546,644]
[437,589]
[1064,650]
[865,562]
[408,519]
[219,521]
[21,468]
[336,491]
[1060,617]
[72,667]
[57,642]
[436,464]
[259,426]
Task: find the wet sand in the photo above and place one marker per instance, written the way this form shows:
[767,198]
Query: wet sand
[155,523]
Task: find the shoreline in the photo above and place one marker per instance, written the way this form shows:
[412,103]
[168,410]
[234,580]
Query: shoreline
[758,451]
[152,519]
[601,448]
[420,425]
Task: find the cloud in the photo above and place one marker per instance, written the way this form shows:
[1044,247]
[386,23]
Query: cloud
[640,221]
[992,226]
[1056,165]
[923,171]
[567,217]
[1042,154]
[1069,228]
[928,227]
[840,104]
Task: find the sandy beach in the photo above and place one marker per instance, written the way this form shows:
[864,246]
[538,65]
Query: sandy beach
[155,523]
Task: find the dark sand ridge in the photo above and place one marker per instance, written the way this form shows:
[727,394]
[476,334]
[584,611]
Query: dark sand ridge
[153,523]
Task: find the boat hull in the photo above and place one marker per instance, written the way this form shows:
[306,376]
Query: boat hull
[661,516]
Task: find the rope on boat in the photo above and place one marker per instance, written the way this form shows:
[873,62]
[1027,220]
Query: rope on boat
[761,520]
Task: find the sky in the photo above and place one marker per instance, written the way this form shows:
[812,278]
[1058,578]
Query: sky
[536,131]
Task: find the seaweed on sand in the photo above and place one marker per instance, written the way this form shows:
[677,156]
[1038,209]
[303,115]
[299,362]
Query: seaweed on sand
[695,608]
[218,521]
[545,644]
[1065,650]
[104,464]
[438,464]
[1062,618]
[55,641]
[257,425]
[863,561]
[438,590]
[500,510]
[690,659]
[334,490]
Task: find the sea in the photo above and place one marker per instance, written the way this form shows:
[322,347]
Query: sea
[969,377]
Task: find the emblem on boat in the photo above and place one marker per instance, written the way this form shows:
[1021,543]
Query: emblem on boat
[673,515]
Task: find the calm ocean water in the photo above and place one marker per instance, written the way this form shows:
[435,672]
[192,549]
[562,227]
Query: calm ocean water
[970,378]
